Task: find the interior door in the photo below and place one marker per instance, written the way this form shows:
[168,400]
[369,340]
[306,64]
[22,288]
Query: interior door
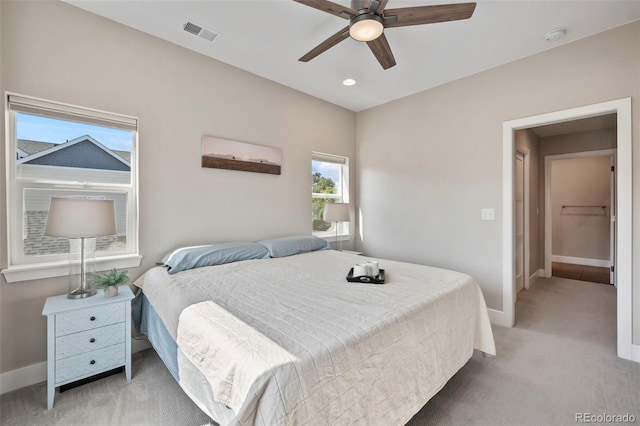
[519,207]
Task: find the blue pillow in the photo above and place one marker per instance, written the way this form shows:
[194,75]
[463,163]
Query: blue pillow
[288,246]
[210,255]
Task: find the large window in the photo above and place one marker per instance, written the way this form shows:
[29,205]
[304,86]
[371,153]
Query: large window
[330,184]
[58,150]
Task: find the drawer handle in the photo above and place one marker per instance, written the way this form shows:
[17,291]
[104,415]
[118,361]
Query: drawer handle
[92,318]
[92,340]
[93,361]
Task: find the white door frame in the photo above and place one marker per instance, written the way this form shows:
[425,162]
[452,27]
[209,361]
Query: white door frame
[621,107]
[548,217]
[526,206]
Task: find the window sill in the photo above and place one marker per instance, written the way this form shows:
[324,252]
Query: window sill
[332,238]
[38,271]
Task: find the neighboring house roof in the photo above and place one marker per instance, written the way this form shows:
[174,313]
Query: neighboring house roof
[126,155]
[33,147]
[20,153]
[82,152]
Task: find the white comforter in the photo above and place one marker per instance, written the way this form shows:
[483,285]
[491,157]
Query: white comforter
[289,341]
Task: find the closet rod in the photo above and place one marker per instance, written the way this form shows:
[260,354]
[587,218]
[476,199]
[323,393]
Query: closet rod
[600,206]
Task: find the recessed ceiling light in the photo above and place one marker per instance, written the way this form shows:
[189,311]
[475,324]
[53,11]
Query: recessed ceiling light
[556,34]
[349,82]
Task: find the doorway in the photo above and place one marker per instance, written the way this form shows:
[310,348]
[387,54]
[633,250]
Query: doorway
[623,230]
[580,215]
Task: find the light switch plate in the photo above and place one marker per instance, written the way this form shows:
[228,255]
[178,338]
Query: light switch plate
[488,214]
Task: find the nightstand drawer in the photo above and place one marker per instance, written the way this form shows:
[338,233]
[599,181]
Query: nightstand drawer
[89,318]
[90,340]
[90,363]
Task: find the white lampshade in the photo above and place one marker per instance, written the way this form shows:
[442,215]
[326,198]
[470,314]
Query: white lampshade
[336,212]
[80,218]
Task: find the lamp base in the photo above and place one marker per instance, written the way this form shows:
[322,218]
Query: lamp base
[82,267]
[80,294]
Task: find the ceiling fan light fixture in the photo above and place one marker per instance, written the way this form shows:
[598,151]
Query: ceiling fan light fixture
[366,27]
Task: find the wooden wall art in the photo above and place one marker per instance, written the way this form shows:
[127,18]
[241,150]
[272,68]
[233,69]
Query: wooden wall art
[226,154]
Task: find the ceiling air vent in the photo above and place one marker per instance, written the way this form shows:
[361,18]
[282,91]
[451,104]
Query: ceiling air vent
[199,31]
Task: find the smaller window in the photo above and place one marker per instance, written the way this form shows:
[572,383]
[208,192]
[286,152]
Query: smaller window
[329,184]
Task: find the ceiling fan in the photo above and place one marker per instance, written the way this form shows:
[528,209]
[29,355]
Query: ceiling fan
[368,19]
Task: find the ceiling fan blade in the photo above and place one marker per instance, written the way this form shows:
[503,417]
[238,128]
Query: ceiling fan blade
[382,51]
[382,5]
[330,7]
[427,14]
[373,5]
[327,44]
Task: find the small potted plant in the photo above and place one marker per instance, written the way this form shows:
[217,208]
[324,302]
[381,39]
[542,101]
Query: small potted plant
[110,281]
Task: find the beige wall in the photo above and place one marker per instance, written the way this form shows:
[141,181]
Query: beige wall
[429,162]
[593,140]
[55,51]
[426,164]
[526,142]
[582,232]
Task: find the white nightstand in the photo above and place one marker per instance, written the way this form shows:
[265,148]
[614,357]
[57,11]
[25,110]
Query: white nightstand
[86,337]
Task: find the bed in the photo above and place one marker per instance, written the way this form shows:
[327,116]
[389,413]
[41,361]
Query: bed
[288,341]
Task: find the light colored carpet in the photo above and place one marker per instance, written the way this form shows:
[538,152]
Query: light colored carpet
[151,398]
[557,361]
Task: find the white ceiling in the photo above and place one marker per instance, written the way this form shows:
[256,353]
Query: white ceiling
[599,122]
[267,37]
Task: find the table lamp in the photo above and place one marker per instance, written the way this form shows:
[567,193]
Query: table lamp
[336,212]
[81,219]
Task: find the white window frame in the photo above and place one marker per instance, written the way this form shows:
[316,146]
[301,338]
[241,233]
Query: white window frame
[343,227]
[23,268]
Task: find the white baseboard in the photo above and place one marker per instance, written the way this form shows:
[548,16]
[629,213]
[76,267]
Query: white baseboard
[36,373]
[582,261]
[537,274]
[498,318]
[635,353]
[534,277]
[21,377]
